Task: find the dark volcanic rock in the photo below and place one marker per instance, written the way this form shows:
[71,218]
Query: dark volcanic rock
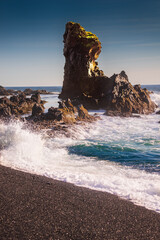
[81,49]
[128,99]
[3,91]
[158,112]
[85,84]
[29,91]
[65,114]
[36,98]
[19,104]
[83,113]
[37,109]
[5,111]
[113,113]
[54,114]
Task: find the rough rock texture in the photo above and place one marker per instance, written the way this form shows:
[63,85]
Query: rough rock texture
[85,84]
[18,105]
[158,112]
[36,98]
[66,113]
[3,91]
[81,49]
[29,91]
[37,109]
[127,99]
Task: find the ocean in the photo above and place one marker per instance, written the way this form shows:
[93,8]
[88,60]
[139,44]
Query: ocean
[117,155]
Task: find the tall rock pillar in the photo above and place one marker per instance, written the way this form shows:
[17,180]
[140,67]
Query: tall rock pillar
[81,50]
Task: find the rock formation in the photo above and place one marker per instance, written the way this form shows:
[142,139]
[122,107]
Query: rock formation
[3,91]
[85,84]
[37,109]
[158,112]
[18,104]
[65,113]
[28,91]
[81,49]
[128,99]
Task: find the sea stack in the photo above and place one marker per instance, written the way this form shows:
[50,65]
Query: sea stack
[84,83]
[81,50]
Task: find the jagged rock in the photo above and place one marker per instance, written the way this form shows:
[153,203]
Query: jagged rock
[62,104]
[114,113]
[29,91]
[85,84]
[81,49]
[158,112]
[22,97]
[126,98]
[18,105]
[66,113]
[3,91]
[37,109]
[54,114]
[36,98]
[14,99]
[5,100]
[82,113]
[5,111]
[60,114]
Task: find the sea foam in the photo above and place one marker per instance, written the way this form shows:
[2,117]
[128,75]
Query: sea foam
[52,157]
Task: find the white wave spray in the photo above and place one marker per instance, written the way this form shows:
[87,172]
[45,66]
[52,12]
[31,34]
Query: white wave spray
[31,152]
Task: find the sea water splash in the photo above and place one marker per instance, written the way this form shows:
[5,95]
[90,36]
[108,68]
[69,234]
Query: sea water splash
[95,156]
[156,98]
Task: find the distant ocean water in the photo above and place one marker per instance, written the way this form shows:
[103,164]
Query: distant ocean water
[116,155]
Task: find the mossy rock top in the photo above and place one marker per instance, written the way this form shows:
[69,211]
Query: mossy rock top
[83,37]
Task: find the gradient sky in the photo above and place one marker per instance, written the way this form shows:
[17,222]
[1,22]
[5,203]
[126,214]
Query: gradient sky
[31,38]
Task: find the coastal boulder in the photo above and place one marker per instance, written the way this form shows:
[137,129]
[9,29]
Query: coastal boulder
[127,99]
[158,112]
[53,114]
[82,113]
[20,104]
[37,109]
[36,98]
[5,111]
[84,83]
[3,91]
[60,114]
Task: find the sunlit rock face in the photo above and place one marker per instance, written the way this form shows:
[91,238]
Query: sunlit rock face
[86,84]
[81,49]
[128,99]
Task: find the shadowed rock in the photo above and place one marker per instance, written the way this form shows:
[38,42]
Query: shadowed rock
[19,104]
[127,99]
[65,114]
[85,84]
[3,91]
[158,112]
[37,109]
[81,49]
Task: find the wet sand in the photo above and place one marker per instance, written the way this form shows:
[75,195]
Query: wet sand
[36,207]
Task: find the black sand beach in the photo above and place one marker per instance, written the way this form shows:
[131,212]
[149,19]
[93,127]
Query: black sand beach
[35,207]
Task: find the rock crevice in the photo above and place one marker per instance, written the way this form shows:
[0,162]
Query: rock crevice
[84,83]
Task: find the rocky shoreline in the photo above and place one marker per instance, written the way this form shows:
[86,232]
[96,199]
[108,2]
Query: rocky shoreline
[27,91]
[84,83]
[85,87]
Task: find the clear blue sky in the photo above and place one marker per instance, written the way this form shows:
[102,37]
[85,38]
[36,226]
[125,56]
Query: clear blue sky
[31,47]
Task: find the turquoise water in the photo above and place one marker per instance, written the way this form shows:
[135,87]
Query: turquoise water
[139,149]
[114,154]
